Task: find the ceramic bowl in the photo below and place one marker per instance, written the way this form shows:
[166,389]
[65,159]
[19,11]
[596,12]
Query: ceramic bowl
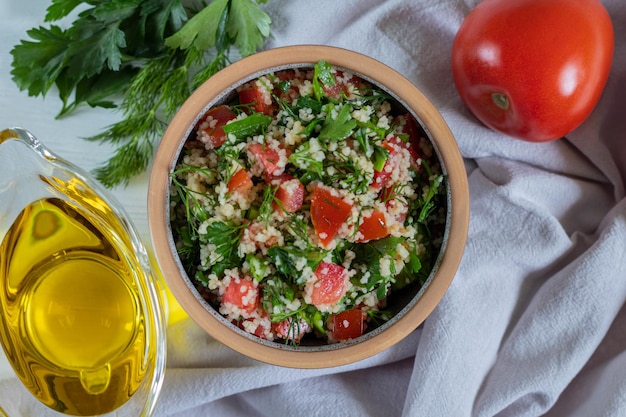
[411,306]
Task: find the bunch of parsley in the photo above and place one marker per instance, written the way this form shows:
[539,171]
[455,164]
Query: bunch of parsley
[143,57]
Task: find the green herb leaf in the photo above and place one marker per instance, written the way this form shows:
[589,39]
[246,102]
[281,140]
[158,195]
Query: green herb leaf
[284,86]
[339,128]
[316,319]
[370,254]
[284,259]
[364,141]
[38,63]
[276,294]
[258,266]
[428,204]
[225,236]
[201,30]
[267,208]
[112,11]
[310,128]
[96,90]
[411,271]
[157,19]
[303,159]
[349,175]
[322,75]
[60,8]
[251,125]
[380,157]
[306,102]
[248,25]
[153,21]
[96,45]
[194,213]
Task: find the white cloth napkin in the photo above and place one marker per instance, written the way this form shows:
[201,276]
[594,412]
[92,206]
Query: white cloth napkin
[534,322]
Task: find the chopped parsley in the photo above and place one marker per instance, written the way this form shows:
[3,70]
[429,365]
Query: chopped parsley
[341,126]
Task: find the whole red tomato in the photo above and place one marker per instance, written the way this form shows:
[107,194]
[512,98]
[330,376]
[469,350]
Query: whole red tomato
[533,69]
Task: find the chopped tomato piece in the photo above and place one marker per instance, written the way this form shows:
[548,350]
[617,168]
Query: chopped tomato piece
[290,194]
[261,329]
[285,90]
[347,324]
[240,182]
[267,156]
[253,234]
[210,129]
[394,145]
[409,127]
[256,99]
[289,329]
[241,293]
[343,85]
[410,146]
[333,90]
[329,286]
[328,214]
[382,178]
[373,227]
[269,159]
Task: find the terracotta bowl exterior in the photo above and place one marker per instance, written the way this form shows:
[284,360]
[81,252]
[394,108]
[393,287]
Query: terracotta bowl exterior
[418,305]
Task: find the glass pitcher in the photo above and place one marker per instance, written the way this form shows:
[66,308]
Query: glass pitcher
[81,321]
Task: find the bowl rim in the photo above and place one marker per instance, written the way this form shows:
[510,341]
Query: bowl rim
[209,94]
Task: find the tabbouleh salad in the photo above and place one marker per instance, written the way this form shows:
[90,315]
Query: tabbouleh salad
[300,206]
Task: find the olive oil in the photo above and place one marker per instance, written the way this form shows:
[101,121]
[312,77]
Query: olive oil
[71,317]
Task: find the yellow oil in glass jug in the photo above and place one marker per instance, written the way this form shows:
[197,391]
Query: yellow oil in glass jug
[80,316]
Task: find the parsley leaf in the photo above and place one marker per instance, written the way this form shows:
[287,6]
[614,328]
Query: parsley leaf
[248,26]
[284,263]
[429,203]
[307,102]
[322,75]
[284,259]
[60,8]
[38,63]
[304,159]
[341,127]
[114,10]
[155,20]
[370,254]
[248,126]
[96,91]
[162,16]
[364,141]
[258,266]
[225,236]
[276,295]
[96,45]
[412,270]
[201,30]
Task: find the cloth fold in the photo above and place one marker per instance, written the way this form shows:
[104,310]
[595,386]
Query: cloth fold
[534,323]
